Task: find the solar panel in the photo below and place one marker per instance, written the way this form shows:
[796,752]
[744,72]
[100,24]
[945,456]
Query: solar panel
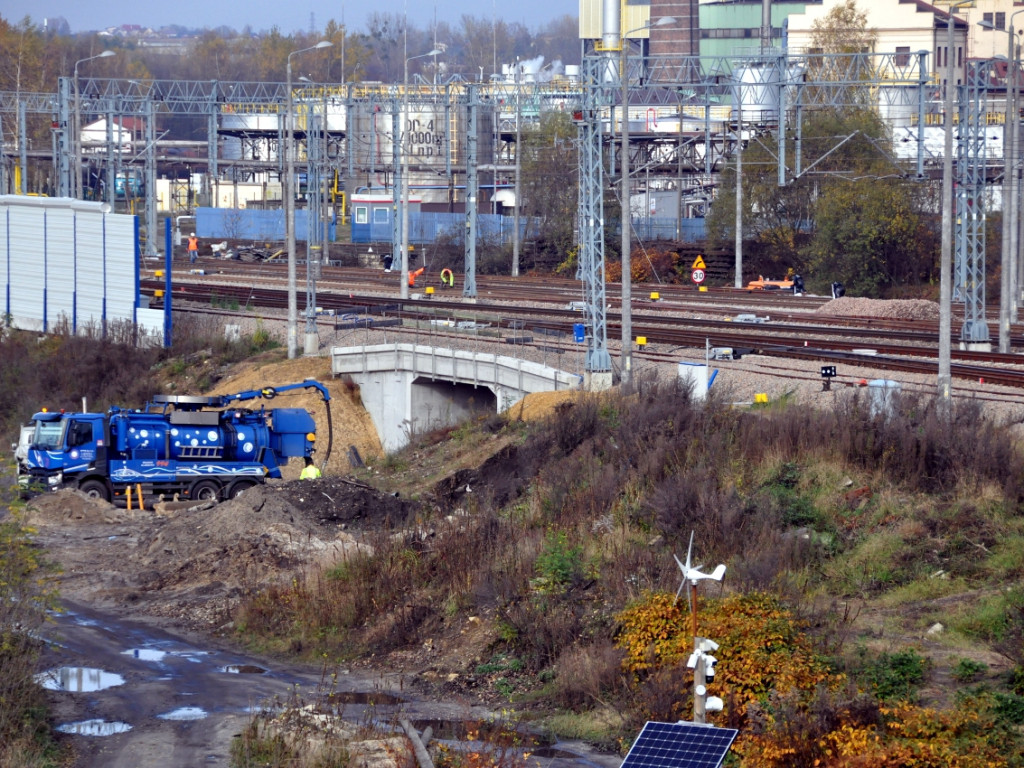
[679,745]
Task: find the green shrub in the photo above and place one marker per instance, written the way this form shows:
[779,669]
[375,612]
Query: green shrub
[559,564]
[896,676]
[968,670]
[1009,707]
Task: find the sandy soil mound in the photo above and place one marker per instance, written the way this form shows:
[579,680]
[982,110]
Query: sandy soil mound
[539,405]
[352,424]
[897,309]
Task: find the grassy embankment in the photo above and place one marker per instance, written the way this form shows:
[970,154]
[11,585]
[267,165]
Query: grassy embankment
[847,536]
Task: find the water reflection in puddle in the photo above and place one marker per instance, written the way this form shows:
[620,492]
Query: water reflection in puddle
[243,669]
[145,654]
[78,679]
[94,728]
[184,713]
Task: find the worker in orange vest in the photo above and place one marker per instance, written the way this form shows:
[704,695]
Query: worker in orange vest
[193,248]
[413,276]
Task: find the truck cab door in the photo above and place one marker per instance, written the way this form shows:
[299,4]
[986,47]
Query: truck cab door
[84,441]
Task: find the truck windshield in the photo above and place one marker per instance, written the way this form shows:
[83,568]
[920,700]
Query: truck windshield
[47,435]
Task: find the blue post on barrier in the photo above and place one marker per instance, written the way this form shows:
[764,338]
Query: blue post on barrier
[168,256]
[579,333]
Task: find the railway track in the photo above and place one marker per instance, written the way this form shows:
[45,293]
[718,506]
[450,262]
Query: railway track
[540,306]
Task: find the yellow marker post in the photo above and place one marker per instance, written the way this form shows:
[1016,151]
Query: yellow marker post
[761,397]
[703,289]
[655,296]
[641,341]
[430,290]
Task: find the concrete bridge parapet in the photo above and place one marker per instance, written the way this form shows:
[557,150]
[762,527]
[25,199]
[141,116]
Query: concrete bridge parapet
[411,388]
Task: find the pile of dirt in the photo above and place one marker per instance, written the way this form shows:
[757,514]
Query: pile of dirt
[539,405]
[264,534]
[352,425]
[193,562]
[896,309]
[74,508]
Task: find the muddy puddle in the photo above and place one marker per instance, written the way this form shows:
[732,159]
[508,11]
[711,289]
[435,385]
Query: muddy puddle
[78,679]
[152,694]
[184,713]
[93,728]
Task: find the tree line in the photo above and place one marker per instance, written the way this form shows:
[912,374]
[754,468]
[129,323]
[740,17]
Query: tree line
[32,57]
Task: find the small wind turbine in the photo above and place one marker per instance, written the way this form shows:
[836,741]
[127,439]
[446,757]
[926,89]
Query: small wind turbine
[693,574]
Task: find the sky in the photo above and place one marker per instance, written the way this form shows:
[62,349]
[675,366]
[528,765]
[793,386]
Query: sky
[288,17]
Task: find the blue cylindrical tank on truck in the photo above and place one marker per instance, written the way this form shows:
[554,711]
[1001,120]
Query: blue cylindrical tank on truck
[178,445]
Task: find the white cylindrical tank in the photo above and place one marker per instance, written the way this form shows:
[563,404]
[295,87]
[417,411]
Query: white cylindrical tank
[250,136]
[759,90]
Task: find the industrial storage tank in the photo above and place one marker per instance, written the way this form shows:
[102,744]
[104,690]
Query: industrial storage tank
[435,133]
[250,132]
[758,85]
[253,131]
[898,105]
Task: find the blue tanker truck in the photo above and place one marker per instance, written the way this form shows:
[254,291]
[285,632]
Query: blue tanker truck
[198,447]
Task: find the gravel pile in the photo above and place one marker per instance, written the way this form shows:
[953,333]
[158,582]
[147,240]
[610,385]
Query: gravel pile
[896,309]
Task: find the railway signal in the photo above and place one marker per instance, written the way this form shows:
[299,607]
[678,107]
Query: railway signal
[828,372]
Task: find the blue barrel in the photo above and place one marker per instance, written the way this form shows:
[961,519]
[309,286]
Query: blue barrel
[578,332]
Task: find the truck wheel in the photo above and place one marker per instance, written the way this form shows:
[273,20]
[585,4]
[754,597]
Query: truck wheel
[238,486]
[95,489]
[205,490]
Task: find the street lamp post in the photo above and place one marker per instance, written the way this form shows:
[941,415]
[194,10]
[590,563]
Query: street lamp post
[403,197]
[627,265]
[76,185]
[289,204]
[945,378]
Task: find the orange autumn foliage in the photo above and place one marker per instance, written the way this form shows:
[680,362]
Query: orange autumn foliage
[761,648]
[793,711]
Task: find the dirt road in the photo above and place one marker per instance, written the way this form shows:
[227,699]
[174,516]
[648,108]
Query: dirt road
[183,701]
[149,598]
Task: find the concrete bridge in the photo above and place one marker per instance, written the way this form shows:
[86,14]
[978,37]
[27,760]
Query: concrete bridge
[410,388]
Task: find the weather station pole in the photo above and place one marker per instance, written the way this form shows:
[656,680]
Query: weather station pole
[404,195]
[289,204]
[76,184]
[700,659]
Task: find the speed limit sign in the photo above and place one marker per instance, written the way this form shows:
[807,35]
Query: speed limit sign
[698,276]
